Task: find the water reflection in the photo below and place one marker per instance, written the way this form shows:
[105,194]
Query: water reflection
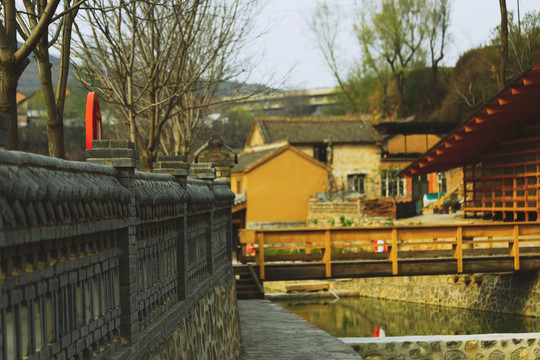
[368,317]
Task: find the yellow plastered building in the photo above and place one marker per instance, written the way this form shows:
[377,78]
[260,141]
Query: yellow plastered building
[273,185]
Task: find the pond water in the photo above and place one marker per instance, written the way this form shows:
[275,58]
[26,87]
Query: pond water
[368,317]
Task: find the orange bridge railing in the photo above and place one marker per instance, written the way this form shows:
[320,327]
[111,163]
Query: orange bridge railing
[394,245]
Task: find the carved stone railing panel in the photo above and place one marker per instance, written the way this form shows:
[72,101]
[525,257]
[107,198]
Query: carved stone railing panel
[93,257]
[60,297]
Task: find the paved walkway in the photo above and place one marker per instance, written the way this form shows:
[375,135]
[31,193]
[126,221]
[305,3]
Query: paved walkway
[271,332]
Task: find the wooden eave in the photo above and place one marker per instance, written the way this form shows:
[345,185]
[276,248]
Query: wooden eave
[239,207]
[482,132]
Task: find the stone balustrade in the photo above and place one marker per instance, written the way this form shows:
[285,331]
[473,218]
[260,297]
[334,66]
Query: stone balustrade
[101,261]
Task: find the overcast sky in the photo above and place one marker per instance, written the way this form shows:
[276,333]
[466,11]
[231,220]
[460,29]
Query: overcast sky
[290,45]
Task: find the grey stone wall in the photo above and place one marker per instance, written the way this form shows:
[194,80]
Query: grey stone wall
[208,316]
[96,260]
[514,293]
[488,347]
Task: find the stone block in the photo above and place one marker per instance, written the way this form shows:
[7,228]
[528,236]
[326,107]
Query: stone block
[16,297]
[61,356]
[171,165]
[4,122]
[98,153]
[4,139]
[124,153]
[29,292]
[205,176]
[172,158]
[112,144]
[172,172]
[4,130]
[65,341]
[101,144]
[70,351]
[202,166]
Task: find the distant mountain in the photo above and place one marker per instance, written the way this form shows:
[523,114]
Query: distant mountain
[29,80]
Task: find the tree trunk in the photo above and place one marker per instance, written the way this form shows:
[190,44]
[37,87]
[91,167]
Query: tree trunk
[61,87]
[9,76]
[401,85]
[55,124]
[501,78]
[385,99]
[148,161]
[434,88]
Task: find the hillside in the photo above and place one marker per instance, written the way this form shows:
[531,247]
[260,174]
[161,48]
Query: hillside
[29,80]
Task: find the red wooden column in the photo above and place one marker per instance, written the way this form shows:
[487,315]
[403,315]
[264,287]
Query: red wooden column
[94,129]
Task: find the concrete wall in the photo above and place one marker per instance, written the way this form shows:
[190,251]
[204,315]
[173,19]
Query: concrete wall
[504,293]
[107,262]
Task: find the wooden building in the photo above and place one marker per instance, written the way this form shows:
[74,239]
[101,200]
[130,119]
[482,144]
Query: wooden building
[404,140]
[499,149]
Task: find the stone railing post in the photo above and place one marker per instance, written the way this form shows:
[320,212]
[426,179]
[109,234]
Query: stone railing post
[207,173]
[4,131]
[121,155]
[220,155]
[179,168]
[174,165]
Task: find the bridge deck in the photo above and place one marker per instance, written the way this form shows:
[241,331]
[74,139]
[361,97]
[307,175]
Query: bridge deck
[314,253]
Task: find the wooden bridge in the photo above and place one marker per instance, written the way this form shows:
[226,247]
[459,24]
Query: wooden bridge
[318,253]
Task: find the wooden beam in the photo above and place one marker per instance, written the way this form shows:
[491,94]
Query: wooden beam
[327,258]
[458,249]
[520,97]
[260,255]
[514,247]
[393,253]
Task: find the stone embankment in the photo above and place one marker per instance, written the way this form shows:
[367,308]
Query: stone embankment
[517,293]
[508,293]
[489,347]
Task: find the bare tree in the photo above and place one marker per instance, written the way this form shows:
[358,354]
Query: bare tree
[158,61]
[395,36]
[14,59]
[395,33]
[501,74]
[54,103]
[436,28]
[325,24]
[214,62]
[524,40]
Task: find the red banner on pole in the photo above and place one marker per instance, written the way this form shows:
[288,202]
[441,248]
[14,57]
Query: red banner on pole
[94,130]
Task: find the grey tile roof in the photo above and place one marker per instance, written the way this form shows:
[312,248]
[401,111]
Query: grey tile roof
[311,130]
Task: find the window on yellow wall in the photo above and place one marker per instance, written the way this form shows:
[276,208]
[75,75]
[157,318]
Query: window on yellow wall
[238,186]
[357,183]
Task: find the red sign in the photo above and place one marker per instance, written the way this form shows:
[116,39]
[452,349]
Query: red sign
[94,130]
